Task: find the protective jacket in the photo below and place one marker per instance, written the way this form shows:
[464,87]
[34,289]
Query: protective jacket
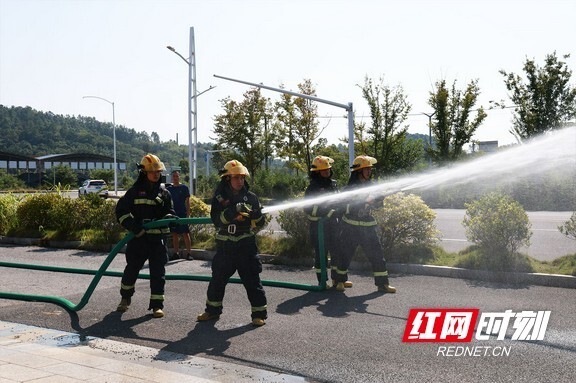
[230,225]
[236,248]
[357,210]
[318,187]
[359,228]
[142,203]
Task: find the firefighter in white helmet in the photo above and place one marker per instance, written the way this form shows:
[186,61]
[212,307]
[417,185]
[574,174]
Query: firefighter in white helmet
[237,214]
[359,228]
[321,183]
[145,201]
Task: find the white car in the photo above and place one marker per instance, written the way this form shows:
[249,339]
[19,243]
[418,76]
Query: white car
[94,187]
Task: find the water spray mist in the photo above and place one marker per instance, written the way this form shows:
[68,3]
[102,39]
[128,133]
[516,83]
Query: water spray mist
[553,150]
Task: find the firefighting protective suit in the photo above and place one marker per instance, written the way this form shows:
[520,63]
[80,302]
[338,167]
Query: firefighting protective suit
[145,202]
[236,248]
[359,229]
[318,187]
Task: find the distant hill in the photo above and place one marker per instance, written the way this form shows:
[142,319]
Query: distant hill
[29,132]
[26,131]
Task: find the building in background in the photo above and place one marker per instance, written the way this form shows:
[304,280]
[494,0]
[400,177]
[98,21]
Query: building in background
[32,169]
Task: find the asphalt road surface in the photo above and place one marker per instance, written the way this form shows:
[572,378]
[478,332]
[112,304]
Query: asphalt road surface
[546,244]
[324,336]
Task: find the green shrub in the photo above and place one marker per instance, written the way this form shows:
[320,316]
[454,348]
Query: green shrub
[279,185]
[103,217]
[8,207]
[34,212]
[405,220]
[477,258]
[499,226]
[569,227]
[297,243]
[69,215]
[198,209]
[10,182]
[295,223]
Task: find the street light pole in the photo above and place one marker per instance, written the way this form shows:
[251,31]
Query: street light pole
[348,107]
[192,110]
[114,139]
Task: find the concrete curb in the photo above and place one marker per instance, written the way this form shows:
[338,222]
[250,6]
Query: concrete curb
[538,279]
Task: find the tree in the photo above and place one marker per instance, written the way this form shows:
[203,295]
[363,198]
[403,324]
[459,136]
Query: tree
[285,142]
[103,174]
[452,111]
[306,128]
[241,128]
[545,102]
[297,127]
[386,138]
[62,175]
[184,168]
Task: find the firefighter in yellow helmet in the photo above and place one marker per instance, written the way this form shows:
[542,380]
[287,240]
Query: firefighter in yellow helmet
[321,184]
[237,214]
[359,228]
[145,201]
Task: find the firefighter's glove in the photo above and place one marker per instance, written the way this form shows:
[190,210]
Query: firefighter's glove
[256,214]
[243,209]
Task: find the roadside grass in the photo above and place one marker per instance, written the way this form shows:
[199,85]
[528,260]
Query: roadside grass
[472,258]
[565,265]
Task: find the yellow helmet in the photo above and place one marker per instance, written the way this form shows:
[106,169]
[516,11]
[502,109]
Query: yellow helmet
[362,162]
[151,163]
[321,163]
[234,167]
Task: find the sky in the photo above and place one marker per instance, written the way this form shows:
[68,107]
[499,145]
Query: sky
[55,52]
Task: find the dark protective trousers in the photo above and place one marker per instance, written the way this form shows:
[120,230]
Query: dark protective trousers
[138,250]
[331,245]
[241,256]
[367,238]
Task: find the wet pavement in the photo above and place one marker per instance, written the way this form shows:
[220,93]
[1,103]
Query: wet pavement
[35,354]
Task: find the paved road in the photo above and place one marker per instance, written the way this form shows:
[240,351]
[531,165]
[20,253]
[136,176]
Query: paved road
[324,336]
[547,243]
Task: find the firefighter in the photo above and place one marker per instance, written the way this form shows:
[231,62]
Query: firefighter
[145,201]
[321,183]
[236,212]
[359,228]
